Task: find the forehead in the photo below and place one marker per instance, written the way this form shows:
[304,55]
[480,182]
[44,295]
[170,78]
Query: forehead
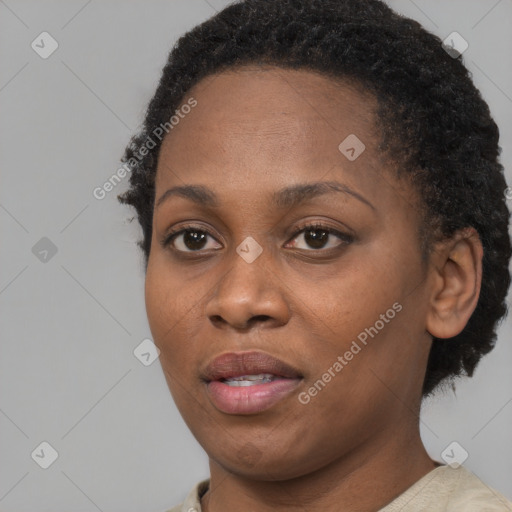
[263,127]
[302,92]
[269,101]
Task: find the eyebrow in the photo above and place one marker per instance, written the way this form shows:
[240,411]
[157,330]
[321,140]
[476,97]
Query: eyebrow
[288,197]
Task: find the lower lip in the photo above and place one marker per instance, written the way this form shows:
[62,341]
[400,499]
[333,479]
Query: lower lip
[249,399]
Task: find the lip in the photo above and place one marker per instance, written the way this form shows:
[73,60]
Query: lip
[248,399]
[236,364]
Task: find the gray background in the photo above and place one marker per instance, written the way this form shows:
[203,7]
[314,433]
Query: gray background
[69,325]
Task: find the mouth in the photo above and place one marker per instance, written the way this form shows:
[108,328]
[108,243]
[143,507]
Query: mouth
[248,382]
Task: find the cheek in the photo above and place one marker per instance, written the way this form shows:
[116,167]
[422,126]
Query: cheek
[364,316]
[350,300]
[168,311]
[168,303]
[156,297]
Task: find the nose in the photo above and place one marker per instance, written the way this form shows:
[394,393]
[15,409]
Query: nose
[248,294]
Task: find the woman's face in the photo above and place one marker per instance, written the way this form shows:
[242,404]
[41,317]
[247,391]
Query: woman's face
[345,309]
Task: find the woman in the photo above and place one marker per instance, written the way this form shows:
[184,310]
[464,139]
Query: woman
[326,241]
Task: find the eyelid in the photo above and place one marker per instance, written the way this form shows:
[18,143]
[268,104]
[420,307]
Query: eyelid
[319,224]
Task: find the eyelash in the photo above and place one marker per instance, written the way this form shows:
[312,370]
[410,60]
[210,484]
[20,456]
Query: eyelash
[344,237]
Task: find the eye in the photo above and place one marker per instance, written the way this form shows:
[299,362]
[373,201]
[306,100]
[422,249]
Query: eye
[317,235]
[188,239]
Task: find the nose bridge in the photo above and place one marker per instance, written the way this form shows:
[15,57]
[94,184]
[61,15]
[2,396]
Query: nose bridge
[246,290]
[245,280]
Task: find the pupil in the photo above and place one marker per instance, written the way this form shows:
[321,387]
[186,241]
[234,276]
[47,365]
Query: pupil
[191,238]
[316,241]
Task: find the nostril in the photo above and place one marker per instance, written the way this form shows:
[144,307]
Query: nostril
[216,319]
[257,318]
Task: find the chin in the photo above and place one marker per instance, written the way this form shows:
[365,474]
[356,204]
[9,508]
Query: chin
[263,462]
[272,470]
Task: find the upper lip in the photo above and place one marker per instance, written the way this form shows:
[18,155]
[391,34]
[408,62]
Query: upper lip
[236,364]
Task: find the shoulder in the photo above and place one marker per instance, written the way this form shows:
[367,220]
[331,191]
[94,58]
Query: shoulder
[192,502]
[446,489]
[473,495]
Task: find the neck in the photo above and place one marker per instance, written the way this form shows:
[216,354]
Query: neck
[366,479]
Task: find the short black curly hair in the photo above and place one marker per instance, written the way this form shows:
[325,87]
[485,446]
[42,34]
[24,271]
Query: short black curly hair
[432,119]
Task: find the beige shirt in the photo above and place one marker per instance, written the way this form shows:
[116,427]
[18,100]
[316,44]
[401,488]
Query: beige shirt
[443,489]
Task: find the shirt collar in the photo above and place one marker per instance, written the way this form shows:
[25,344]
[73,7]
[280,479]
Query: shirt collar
[192,502]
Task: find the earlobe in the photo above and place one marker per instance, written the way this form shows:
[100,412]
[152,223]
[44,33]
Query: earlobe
[457,282]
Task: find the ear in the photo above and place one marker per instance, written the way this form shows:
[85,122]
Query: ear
[457,268]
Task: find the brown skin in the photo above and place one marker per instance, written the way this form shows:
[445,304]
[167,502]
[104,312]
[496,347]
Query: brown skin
[357,442]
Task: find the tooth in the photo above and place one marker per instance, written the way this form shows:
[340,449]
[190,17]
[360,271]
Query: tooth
[250,380]
[252,377]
